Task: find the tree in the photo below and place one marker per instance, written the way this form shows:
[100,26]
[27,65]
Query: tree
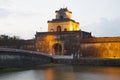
[6,37]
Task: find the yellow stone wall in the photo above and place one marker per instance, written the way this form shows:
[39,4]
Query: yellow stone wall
[69,25]
[101,50]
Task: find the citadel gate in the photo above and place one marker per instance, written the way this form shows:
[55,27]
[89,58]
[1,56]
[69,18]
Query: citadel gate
[57,48]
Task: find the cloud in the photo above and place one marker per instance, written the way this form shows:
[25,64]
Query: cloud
[4,13]
[105,28]
[5,3]
[2,2]
[4,8]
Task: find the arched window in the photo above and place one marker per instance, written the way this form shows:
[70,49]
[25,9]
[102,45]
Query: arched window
[59,28]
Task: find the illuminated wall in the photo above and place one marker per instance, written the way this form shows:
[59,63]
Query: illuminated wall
[65,26]
[101,48]
[46,44]
[58,43]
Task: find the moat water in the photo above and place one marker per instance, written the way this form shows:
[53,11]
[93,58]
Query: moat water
[65,73]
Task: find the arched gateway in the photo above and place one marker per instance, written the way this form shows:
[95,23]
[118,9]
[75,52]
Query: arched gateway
[57,49]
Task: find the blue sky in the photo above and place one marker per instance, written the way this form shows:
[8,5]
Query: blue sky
[24,17]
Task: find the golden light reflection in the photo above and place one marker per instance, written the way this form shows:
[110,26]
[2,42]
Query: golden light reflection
[58,74]
[49,74]
[112,71]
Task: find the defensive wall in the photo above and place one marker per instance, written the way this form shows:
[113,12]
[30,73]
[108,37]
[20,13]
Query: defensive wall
[103,47]
[18,44]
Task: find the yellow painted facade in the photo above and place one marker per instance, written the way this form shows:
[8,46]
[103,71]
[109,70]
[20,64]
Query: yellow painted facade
[65,26]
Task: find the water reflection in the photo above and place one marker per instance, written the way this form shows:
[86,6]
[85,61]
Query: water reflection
[23,75]
[60,73]
[65,73]
[83,73]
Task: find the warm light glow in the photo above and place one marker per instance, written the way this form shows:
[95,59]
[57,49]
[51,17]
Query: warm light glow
[49,74]
[49,38]
[102,50]
[71,28]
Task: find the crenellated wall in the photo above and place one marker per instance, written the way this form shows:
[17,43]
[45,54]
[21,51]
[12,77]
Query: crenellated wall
[108,47]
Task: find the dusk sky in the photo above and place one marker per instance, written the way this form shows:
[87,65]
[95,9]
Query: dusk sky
[24,17]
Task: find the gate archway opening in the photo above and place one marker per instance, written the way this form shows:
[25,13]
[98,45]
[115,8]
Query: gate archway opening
[57,49]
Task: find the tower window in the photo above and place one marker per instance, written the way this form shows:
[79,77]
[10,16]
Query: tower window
[59,28]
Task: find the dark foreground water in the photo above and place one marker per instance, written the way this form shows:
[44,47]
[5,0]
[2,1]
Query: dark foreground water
[65,73]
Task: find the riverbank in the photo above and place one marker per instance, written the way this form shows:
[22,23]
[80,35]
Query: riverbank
[35,67]
[67,62]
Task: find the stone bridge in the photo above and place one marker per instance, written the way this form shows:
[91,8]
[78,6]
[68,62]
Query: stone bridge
[22,58]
